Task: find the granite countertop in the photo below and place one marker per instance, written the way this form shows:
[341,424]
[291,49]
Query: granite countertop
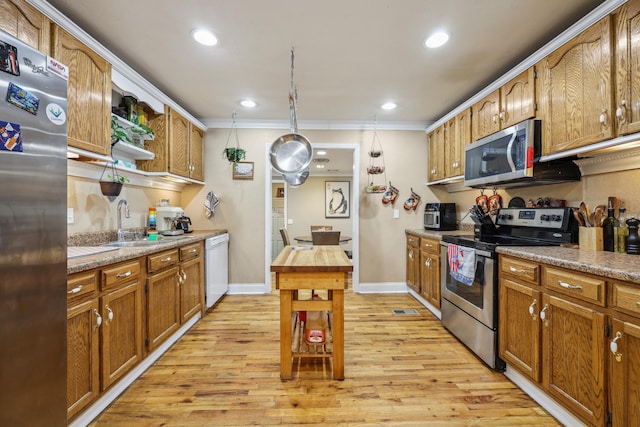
[434,234]
[82,263]
[608,264]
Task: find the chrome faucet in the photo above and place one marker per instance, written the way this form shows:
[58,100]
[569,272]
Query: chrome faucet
[121,233]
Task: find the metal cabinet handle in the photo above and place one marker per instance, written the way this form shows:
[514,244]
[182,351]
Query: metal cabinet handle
[503,115]
[109,314]
[411,254]
[516,270]
[121,275]
[613,346]
[532,309]
[184,276]
[75,290]
[179,278]
[495,118]
[193,250]
[569,285]
[604,118]
[98,320]
[167,259]
[621,111]
[543,313]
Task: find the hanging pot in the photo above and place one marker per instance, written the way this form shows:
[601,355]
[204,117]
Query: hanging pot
[296,179]
[291,154]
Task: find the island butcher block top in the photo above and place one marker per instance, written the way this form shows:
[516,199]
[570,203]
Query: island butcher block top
[301,259]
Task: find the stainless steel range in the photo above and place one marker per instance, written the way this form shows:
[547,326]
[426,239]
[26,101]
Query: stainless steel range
[469,266]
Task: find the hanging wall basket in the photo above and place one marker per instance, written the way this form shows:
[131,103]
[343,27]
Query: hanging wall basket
[234,154]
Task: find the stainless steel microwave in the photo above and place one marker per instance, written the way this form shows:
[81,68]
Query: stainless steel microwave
[510,158]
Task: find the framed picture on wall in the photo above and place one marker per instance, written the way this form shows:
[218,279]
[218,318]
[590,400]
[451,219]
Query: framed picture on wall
[337,199]
[243,170]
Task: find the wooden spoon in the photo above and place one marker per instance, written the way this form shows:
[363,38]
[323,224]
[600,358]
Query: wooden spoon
[586,214]
[578,216]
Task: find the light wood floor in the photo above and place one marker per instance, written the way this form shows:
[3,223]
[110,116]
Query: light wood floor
[399,371]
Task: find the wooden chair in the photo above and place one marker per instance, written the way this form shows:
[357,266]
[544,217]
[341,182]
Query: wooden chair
[285,236]
[321,228]
[325,238]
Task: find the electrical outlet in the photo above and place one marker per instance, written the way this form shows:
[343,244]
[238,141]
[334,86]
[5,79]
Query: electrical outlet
[70,216]
[396,213]
[289,221]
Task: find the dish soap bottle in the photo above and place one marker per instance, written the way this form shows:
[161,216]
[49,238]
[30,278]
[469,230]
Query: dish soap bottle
[152,232]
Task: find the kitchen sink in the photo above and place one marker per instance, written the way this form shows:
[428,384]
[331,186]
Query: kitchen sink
[133,243]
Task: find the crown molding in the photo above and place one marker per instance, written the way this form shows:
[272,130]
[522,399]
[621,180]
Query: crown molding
[315,125]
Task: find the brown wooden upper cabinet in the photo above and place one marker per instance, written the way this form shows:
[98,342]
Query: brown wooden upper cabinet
[576,94]
[436,147]
[24,22]
[88,93]
[627,54]
[178,146]
[461,138]
[511,104]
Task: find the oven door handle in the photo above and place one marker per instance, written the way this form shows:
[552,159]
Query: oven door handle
[479,252]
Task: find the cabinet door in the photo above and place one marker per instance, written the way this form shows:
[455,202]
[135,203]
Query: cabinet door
[159,145]
[463,138]
[121,332]
[625,374]
[520,342]
[574,357]
[577,91]
[413,268]
[430,278]
[24,22]
[178,144]
[436,154]
[88,92]
[485,115]
[163,312]
[196,153]
[450,149]
[627,54]
[83,356]
[191,288]
[517,99]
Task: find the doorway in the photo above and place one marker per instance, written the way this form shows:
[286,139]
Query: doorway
[354,215]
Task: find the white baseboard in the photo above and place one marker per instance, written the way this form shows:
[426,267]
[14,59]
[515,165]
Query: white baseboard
[550,405]
[428,305]
[248,289]
[110,395]
[382,288]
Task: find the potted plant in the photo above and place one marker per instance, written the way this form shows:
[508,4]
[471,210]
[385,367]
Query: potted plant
[112,185]
[235,155]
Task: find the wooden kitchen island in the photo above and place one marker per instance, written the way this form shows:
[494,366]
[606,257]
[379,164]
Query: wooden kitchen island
[317,268]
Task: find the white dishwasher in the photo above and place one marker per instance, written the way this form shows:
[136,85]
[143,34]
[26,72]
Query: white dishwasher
[216,268]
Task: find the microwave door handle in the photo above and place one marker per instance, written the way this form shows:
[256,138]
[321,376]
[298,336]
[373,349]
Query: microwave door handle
[512,165]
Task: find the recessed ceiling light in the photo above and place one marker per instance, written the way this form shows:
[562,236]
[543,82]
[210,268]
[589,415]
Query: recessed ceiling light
[249,103]
[436,40]
[388,106]
[321,152]
[204,37]
[320,166]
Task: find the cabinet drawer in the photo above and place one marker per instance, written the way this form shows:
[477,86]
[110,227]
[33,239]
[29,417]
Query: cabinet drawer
[82,284]
[586,288]
[431,246]
[413,240]
[523,270]
[626,298]
[190,251]
[120,274]
[162,260]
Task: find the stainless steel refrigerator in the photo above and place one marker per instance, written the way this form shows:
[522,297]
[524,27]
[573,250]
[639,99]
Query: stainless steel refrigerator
[33,237]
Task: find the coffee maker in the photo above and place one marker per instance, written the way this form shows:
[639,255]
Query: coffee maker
[166,216]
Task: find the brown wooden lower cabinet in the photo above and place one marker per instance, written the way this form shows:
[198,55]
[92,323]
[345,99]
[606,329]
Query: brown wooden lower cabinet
[413,262]
[430,270]
[108,318]
[557,341]
[83,355]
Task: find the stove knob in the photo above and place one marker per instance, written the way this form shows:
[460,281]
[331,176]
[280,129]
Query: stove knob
[544,217]
[556,218]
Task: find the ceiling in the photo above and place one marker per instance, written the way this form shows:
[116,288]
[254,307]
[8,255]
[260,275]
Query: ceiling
[350,56]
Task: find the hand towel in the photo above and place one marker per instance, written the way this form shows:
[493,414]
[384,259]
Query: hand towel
[462,263]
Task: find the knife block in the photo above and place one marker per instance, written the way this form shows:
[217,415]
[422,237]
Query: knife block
[590,238]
